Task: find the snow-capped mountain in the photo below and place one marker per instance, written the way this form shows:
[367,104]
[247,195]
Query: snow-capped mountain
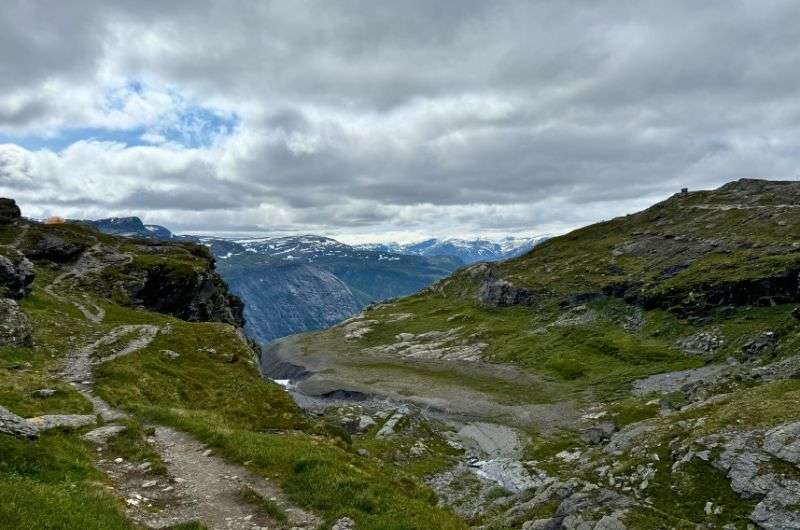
[468,251]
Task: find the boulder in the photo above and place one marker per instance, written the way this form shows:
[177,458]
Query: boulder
[70,421]
[102,434]
[15,277]
[14,425]
[15,329]
[600,433]
[501,293]
[9,211]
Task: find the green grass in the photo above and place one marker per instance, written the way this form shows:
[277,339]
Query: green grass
[51,483]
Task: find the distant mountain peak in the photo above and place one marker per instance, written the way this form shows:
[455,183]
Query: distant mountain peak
[467,250]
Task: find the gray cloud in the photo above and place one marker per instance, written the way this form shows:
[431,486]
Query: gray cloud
[363,117]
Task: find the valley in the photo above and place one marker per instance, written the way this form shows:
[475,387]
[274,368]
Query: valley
[639,373]
[636,367]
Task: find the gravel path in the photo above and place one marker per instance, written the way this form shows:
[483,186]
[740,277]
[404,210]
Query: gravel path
[213,488]
[201,487]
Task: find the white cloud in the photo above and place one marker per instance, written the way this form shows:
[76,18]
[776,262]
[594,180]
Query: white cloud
[365,118]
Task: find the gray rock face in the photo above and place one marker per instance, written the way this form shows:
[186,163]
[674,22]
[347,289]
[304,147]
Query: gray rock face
[681,380]
[765,343]
[15,329]
[788,368]
[749,458]
[345,523]
[508,473]
[56,248]
[9,211]
[15,277]
[102,434]
[44,392]
[388,428]
[14,425]
[70,421]
[784,442]
[599,433]
[283,300]
[626,436]
[500,293]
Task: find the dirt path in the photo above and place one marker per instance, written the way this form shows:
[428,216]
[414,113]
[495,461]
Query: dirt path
[217,486]
[87,263]
[200,486]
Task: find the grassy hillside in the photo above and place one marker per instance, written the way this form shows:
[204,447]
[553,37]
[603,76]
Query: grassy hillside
[608,303]
[198,377]
[549,341]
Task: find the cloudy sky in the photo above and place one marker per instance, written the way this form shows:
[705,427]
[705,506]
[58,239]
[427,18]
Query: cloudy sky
[390,120]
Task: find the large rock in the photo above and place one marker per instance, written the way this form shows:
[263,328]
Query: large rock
[68,421]
[784,442]
[15,277]
[15,329]
[55,247]
[9,211]
[14,425]
[501,293]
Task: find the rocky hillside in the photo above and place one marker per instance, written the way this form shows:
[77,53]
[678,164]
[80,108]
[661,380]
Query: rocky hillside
[637,373]
[130,399]
[294,284]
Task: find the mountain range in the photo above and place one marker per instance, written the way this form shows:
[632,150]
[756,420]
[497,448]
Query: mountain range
[293,284]
[469,251]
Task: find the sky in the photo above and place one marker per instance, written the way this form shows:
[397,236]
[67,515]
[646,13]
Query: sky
[383,120]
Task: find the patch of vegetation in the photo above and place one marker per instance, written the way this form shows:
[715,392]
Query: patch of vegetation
[51,483]
[698,483]
[630,411]
[131,445]
[268,507]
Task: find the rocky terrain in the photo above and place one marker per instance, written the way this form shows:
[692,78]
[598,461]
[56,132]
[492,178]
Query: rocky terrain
[130,398]
[638,373]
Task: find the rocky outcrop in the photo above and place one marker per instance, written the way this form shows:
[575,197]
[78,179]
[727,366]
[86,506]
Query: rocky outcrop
[752,461]
[14,425]
[15,277]
[770,290]
[501,293]
[55,247]
[433,345]
[9,211]
[15,329]
[195,296]
[62,421]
